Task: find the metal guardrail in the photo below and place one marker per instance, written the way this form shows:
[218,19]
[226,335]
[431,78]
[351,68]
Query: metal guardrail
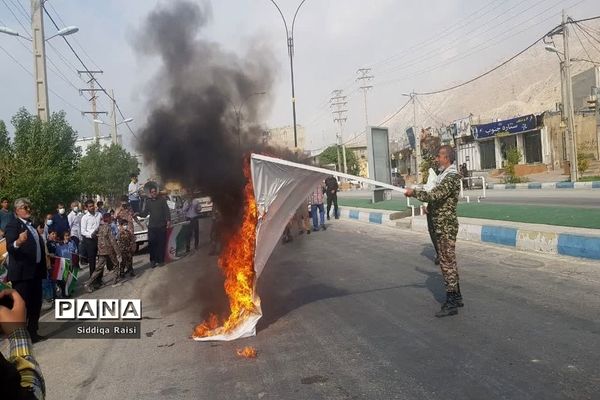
[471,179]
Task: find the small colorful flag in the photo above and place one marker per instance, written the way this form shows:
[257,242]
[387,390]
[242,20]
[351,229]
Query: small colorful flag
[60,268]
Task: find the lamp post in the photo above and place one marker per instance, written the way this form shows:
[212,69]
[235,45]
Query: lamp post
[39,54]
[567,93]
[290,43]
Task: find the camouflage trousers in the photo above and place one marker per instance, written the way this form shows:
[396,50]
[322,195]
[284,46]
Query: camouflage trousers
[111,263]
[447,253]
[126,264]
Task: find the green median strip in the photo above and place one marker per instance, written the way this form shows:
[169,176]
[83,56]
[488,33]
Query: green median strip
[531,214]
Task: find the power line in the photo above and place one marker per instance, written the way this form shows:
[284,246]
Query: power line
[588,35]
[503,16]
[435,119]
[74,38]
[16,18]
[581,42]
[20,7]
[483,46]
[90,74]
[435,37]
[31,74]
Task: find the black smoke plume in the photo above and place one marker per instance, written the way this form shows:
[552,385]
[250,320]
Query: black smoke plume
[193,134]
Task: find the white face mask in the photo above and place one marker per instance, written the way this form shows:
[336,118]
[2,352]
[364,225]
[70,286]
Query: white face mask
[76,209]
[61,211]
[49,222]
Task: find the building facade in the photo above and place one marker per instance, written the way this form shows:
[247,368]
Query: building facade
[284,136]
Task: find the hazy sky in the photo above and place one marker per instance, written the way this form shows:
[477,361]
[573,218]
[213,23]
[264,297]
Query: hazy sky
[420,45]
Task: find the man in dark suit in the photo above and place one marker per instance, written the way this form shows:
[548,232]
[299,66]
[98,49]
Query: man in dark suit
[26,263]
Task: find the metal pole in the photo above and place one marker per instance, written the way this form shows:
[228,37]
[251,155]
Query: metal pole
[569,99]
[337,146]
[39,58]
[114,117]
[417,139]
[291,51]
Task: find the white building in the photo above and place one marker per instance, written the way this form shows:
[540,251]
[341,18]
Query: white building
[86,142]
[284,136]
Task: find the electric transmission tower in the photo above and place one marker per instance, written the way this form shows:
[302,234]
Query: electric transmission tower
[93,99]
[364,78]
[338,103]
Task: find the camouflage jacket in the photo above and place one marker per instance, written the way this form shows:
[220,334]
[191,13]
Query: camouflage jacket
[127,215]
[126,242]
[442,201]
[107,244]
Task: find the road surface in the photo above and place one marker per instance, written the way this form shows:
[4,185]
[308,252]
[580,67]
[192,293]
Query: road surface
[348,314]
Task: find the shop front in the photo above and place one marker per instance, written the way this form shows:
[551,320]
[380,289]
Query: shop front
[497,138]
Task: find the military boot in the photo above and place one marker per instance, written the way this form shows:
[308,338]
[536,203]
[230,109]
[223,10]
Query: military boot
[450,307]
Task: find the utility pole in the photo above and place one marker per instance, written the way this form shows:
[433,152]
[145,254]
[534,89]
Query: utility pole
[338,102]
[417,132]
[114,117]
[92,89]
[569,99]
[364,77]
[39,58]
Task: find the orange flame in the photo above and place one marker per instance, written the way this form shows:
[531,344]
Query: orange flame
[237,262]
[247,352]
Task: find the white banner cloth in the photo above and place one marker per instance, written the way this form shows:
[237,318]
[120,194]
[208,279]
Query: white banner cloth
[280,187]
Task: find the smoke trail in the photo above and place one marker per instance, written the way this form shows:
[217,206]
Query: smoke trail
[191,134]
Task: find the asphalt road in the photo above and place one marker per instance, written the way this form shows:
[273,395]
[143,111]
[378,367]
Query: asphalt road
[348,314]
[561,197]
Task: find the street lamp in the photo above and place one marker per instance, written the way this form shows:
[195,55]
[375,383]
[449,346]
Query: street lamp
[39,54]
[566,90]
[290,43]
[125,121]
[69,30]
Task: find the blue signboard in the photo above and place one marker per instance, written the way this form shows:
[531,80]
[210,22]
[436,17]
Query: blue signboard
[506,127]
[410,134]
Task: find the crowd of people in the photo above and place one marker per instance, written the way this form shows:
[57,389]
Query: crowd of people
[313,208]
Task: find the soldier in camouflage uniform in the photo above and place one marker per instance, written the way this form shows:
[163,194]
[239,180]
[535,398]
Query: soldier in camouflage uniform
[126,244]
[443,199]
[108,254]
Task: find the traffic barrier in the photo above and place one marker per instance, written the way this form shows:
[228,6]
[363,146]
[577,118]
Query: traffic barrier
[545,185]
[583,246]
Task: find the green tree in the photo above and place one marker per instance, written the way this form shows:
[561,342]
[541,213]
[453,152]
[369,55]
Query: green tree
[5,157]
[105,171]
[44,161]
[513,157]
[330,156]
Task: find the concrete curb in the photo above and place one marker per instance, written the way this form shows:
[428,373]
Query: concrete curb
[545,185]
[521,238]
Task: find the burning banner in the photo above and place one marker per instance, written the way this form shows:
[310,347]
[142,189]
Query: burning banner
[274,190]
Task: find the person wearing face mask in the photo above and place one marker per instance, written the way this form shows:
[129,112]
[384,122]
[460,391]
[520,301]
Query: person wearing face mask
[60,221]
[444,199]
[74,219]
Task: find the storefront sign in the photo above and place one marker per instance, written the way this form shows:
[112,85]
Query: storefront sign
[504,128]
